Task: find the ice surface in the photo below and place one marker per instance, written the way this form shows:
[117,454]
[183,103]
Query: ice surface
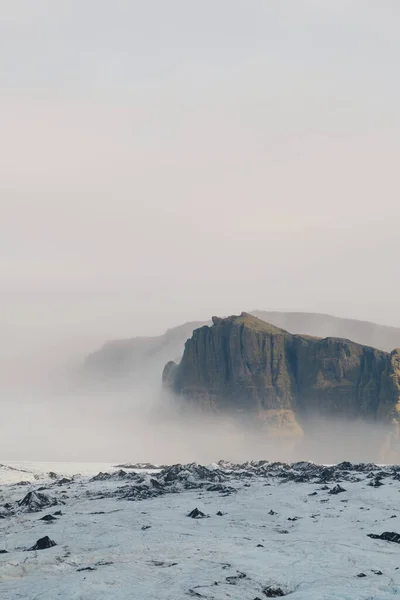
[112,547]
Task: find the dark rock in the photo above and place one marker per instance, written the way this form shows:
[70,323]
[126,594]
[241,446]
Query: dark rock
[43,543]
[3,552]
[259,546]
[361,575]
[196,514]
[273,592]
[233,579]
[377,572]
[376,482]
[36,501]
[220,514]
[144,527]
[387,536]
[272,512]
[87,569]
[48,518]
[338,489]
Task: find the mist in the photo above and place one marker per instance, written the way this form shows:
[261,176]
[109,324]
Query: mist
[164,163]
[116,422]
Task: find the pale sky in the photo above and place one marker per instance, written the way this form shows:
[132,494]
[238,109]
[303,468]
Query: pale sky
[164,161]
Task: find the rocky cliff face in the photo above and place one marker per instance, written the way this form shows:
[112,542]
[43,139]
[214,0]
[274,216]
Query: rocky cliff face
[144,358]
[244,365]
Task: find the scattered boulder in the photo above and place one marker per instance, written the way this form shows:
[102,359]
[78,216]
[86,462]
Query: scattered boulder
[338,489]
[43,543]
[272,512]
[36,501]
[196,514]
[361,575]
[48,518]
[273,592]
[377,482]
[64,481]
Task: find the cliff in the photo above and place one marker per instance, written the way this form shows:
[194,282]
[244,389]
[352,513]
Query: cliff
[143,358]
[243,365]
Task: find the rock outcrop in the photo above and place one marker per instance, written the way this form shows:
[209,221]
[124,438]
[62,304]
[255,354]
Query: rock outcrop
[143,358]
[242,364]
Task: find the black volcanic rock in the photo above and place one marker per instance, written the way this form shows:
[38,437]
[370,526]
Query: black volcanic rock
[43,543]
[338,489]
[387,536]
[196,514]
[36,501]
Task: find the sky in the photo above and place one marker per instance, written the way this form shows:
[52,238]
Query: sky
[163,162]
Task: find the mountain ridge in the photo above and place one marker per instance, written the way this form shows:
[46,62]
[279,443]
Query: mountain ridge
[242,365]
[135,360]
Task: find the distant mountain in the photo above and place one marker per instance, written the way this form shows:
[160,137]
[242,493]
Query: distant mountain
[143,358]
[137,359]
[242,365]
[363,332]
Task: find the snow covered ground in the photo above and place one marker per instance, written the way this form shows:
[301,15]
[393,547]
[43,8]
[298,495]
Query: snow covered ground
[133,533]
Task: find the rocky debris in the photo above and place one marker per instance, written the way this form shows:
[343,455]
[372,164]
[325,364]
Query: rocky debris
[387,536]
[376,572]
[361,575]
[36,501]
[338,489]
[272,512]
[273,592]
[58,513]
[87,569]
[161,563]
[219,478]
[121,474]
[222,489]
[196,514]
[63,481]
[220,514]
[48,518]
[376,482]
[43,543]
[233,579]
[144,527]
